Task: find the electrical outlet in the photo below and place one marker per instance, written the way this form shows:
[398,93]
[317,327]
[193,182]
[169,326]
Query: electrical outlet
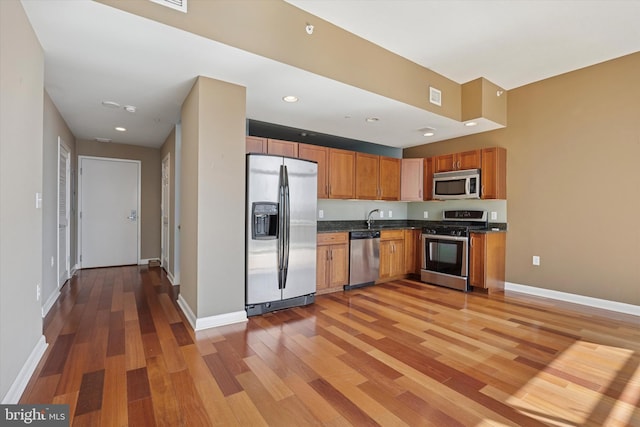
[536,260]
[494,216]
[38,292]
[320,214]
[381,214]
[426,214]
[390,214]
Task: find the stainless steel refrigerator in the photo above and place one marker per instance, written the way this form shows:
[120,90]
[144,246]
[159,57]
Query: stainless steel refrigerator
[281,233]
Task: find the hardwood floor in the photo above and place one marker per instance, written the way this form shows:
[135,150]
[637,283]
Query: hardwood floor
[403,353]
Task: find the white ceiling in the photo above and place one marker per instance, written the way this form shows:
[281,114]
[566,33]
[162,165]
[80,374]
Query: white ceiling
[95,53]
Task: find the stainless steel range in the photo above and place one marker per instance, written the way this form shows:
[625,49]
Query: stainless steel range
[445,255]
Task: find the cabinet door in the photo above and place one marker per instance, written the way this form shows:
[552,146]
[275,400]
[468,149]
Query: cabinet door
[469,160]
[322,267]
[494,173]
[444,163]
[339,265]
[411,251]
[282,148]
[341,174]
[477,259]
[255,144]
[428,179]
[385,258]
[389,178]
[412,177]
[367,170]
[397,258]
[319,155]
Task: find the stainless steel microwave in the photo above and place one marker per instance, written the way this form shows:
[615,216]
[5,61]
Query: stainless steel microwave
[464,184]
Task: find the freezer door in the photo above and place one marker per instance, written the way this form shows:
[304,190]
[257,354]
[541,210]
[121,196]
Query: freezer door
[303,199]
[262,254]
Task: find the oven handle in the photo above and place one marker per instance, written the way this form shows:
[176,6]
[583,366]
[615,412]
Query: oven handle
[445,237]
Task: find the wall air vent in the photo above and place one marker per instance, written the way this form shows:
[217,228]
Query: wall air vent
[180,5]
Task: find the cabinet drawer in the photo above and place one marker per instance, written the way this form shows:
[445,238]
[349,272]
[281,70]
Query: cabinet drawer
[392,235]
[330,238]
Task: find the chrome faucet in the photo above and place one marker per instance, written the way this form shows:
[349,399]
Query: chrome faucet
[369,220]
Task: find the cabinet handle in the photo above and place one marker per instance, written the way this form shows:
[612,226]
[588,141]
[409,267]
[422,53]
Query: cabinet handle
[458,164]
[327,255]
[326,188]
[331,252]
[420,193]
[482,189]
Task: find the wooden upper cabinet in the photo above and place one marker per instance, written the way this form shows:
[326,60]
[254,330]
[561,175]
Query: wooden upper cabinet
[342,168]
[319,155]
[458,161]
[389,178]
[494,173]
[367,171]
[377,177]
[412,180]
[428,178]
[282,148]
[256,144]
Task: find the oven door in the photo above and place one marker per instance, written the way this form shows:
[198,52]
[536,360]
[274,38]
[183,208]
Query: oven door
[446,254]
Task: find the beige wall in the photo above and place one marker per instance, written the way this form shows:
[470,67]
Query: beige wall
[150,187]
[212,194]
[21,130]
[54,127]
[573,193]
[169,149]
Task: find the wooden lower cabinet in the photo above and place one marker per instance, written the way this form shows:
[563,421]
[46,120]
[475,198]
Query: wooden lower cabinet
[487,261]
[412,252]
[332,267]
[391,253]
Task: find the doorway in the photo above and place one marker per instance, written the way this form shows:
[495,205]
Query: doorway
[166,213]
[108,212]
[64,203]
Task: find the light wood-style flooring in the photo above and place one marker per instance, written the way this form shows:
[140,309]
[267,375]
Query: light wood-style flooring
[402,353]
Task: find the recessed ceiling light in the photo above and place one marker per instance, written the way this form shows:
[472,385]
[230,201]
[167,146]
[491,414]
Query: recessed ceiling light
[430,133]
[110,104]
[290,98]
[372,119]
[121,129]
[469,124]
[130,108]
[103,139]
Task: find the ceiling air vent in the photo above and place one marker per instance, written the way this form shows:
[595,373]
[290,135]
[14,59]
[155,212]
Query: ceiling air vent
[180,5]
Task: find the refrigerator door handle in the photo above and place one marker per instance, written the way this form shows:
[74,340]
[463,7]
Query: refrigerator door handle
[287,228]
[281,227]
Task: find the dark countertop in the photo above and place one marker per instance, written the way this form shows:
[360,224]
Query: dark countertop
[391,224]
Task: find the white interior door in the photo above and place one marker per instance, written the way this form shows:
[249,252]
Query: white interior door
[166,211]
[64,198]
[109,207]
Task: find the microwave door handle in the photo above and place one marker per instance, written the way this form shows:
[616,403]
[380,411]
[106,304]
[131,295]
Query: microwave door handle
[467,186]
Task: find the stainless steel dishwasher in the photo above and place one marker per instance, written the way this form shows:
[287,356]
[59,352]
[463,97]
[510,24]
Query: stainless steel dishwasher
[364,258]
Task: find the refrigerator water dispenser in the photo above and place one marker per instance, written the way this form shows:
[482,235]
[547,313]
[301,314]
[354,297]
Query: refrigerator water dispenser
[264,223]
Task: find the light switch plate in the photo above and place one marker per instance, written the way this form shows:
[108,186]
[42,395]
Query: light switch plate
[381,214]
[426,214]
[390,214]
[320,213]
[536,260]
[494,216]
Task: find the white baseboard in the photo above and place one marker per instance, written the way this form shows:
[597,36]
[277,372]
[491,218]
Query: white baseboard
[199,324]
[52,300]
[17,388]
[604,304]
[170,277]
[73,270]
